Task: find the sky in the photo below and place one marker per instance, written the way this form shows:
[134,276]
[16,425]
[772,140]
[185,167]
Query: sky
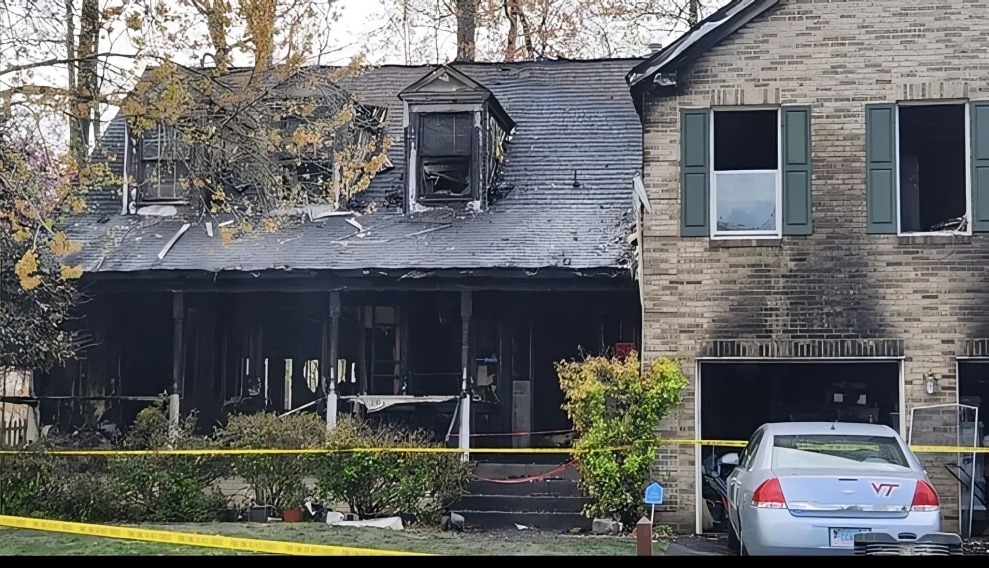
[357,29]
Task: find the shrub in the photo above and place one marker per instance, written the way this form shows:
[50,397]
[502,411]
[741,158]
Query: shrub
[613,404]
[275,480]
[28,484]
[378,484]
[167,488]
[36,484]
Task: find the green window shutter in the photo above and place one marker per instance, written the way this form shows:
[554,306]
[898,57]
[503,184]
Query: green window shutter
[796,171]
[880,157]
[695,173]
[980,166]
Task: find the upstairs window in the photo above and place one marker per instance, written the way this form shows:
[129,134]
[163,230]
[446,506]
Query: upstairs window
[927,167]
[163,164]
[745,181]
[445,156]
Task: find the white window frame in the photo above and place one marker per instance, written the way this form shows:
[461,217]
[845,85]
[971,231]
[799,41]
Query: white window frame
[968,165]
[777,232]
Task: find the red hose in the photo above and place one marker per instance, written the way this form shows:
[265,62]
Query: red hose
[534,478]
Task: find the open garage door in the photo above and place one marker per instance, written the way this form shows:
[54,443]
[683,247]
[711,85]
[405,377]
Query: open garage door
[736,397]
[971,470]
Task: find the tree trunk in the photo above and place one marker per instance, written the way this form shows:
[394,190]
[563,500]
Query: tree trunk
[466,30]
[511,43]
[694,13]
[87,89]
[75,128]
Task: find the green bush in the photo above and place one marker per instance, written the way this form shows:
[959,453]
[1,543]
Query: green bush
[275,480]
[379,484]
[36,484]
[613,404]
[167,488]
[117,488]
[28,484]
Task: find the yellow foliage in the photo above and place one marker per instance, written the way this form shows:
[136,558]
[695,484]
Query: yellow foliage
[61,245]
[71,272]
[27,270]
[21,235]
[270,225]
[226,235]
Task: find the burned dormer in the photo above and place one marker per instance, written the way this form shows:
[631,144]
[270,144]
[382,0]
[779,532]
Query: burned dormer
[455,131]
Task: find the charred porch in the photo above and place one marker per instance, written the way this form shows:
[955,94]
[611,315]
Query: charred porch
[395,355]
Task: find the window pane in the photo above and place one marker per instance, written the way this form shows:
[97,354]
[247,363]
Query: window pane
[745,201]
[746,140]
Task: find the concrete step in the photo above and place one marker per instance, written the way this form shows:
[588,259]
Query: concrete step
[521,503]
[519,470]
[541,521]
[543,488]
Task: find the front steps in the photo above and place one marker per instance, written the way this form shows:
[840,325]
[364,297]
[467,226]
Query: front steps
[549,502]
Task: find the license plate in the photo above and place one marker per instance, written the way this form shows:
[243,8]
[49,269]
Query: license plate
[844,538]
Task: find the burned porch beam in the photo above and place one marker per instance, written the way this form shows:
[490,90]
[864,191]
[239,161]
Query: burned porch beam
[466,311]
[334,333]
[178,355]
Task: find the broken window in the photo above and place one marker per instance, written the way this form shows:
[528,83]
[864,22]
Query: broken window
[446,155]
[745,183]
[163,164]
[932,164]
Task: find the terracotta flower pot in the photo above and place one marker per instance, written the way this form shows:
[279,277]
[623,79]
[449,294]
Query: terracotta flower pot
[292,515]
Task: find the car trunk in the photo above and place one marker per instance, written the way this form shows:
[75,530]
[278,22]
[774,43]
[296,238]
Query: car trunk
[848,492]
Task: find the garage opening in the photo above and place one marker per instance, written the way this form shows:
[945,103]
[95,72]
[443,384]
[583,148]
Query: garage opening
[973,390]
[738,397]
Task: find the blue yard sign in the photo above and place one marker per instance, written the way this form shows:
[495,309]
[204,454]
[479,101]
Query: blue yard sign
[654,494]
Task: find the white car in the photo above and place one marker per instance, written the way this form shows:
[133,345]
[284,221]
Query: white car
[807,488]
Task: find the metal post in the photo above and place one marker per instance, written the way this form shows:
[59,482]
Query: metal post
[463,441]
[331,402]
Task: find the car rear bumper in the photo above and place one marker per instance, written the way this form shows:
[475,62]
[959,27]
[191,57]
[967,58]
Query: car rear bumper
[775,532]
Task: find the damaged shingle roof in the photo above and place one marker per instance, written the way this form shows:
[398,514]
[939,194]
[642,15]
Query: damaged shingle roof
[571,115]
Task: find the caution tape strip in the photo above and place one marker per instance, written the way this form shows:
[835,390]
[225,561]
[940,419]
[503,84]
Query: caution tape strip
[920,449]
[197,539]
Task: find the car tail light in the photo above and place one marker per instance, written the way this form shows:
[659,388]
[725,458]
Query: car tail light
[925,498]
[769,495]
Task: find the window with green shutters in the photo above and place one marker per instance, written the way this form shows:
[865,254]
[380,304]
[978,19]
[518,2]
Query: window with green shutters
[927,167]
[745,172]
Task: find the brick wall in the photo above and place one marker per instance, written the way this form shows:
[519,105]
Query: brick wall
[930,293]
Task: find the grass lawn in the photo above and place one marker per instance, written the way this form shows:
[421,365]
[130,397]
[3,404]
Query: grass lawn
[15,542]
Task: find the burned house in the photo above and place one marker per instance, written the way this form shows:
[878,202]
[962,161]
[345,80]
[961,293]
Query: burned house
[497,239]
[821,251]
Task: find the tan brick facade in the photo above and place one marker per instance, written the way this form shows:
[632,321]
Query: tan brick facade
[929,294]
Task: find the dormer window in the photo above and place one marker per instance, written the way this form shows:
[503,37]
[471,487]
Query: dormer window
[446,155]
[453,139]
[163,165]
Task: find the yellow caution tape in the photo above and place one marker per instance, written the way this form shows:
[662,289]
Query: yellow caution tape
[196,539]
[560,451]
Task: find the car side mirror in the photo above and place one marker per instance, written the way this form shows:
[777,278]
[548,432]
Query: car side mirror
[729,459]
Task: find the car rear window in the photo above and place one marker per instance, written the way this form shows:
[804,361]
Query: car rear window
[804,451]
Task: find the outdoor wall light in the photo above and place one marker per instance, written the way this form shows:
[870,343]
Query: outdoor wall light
[930,384]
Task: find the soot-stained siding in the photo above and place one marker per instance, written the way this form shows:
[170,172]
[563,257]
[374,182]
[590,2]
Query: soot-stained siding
[924,298]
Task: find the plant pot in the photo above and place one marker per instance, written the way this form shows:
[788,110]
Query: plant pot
[292,515]
[230,516]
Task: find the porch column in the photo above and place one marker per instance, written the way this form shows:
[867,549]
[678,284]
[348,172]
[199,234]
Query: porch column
[178,355]
[466,310]
[331,374]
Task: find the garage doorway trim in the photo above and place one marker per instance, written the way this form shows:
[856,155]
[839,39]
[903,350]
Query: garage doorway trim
[698,361]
